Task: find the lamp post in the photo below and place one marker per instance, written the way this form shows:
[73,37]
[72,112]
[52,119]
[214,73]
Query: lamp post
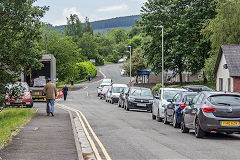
[130,65]
[162,56]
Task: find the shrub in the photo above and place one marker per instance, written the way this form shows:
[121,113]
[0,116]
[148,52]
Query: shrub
[83,68]
[156,87]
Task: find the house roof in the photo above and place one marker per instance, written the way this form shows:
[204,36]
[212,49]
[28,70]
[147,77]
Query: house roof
[232,55]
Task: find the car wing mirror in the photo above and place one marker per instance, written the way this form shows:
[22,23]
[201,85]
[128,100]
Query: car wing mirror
[169,100]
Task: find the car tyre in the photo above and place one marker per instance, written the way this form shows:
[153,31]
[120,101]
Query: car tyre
[199,133]
[175,123]
[111,101]
[127,107]
[159,119]
[153,117]
[183,127]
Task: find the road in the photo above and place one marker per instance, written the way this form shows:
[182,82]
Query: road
[134,135]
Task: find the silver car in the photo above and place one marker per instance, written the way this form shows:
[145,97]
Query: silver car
[161,100]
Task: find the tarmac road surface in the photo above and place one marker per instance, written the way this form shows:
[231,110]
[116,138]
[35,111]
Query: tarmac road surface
[134,135]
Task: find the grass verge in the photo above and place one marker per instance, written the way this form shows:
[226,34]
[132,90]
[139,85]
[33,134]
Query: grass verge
[106,62]
[10,120]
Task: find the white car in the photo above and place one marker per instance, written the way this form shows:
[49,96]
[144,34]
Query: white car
[121,60]
[123,72]
[114,92]
[161,100]
[105,82]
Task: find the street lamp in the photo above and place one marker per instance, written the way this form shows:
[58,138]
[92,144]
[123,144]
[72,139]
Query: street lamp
[162,56]
[130,65]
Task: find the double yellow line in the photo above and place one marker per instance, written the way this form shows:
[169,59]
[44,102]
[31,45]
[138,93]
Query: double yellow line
[82,117]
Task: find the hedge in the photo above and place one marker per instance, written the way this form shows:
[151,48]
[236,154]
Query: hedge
[83,68]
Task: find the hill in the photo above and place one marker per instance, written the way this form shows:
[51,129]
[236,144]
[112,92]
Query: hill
[103,26]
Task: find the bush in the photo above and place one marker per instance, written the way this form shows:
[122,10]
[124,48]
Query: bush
[83,68]
[156,87]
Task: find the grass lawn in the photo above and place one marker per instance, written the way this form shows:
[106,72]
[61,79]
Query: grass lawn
[11,118]
[106,62]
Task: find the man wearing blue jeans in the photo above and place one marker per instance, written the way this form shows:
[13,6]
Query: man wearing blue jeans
[50,91]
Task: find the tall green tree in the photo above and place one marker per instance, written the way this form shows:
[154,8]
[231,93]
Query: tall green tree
[223,29]
[182,21]
[74,27]
[20,32]
[87,26]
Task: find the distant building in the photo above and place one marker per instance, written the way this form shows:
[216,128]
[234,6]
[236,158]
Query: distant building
[227,68]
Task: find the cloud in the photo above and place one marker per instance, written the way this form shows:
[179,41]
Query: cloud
[66,13]
[122,7]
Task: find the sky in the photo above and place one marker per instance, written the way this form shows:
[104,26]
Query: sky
[93,9]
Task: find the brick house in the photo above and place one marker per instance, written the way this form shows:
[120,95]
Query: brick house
[227,68]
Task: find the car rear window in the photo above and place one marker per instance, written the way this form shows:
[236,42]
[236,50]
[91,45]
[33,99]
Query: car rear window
[117,89]
[189,98]
[229,100]
[169,94]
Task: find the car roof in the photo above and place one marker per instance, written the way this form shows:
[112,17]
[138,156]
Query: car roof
[119,85]
[189,93]
[174,89]
[139,88]
[219,93]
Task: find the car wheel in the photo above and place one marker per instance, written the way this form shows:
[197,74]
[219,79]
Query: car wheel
[127,107]
[159,119]
[175,123]
[153,117]
[183,127]
[165,118]
[112,101]
[199,133]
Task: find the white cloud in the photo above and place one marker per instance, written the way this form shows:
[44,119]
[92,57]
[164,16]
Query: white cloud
[122,7]
[66,13]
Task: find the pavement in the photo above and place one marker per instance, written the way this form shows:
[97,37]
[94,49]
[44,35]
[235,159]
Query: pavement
[44,137]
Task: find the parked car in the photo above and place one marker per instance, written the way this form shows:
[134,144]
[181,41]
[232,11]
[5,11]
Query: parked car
[197,88]
[24,98]
[104,92]
[123,72]
[139,98]
[173,111]
[212,111]
[122,60]
[122,97]
[105,82]
[160,101]
[114,92]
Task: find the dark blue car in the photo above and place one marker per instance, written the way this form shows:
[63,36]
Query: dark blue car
[173,111]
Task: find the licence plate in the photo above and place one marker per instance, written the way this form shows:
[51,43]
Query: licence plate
[36,93]
[141,104]
[18,101]
[230,123]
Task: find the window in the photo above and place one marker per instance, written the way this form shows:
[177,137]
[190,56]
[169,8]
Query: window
[220,84]
[195,99]
[225,100]
[229,84]
[177,98]
[200,99]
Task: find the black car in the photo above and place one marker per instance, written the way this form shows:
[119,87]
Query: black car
[173,111]
[139,98]
[197,88]
[212,111]
[121,100]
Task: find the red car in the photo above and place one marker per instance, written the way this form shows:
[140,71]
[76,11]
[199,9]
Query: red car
[24,97]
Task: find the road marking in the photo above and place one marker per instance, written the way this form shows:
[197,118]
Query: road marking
[87,133]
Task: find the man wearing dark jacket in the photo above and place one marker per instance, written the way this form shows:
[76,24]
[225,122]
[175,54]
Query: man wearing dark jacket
[65,92]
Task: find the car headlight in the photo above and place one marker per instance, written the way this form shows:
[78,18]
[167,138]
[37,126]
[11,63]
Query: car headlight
[151,101]
[131,99]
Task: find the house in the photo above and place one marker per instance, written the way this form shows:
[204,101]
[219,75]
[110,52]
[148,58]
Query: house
[227,68]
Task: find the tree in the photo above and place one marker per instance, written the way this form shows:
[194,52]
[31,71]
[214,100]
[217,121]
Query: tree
[118,35]
[74,27]
[20,32]
[138,63]
[87,27]
[66,53]
[223,29]
[182,21]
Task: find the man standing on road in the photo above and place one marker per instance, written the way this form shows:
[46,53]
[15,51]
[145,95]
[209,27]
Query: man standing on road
[65,92]
[50,91]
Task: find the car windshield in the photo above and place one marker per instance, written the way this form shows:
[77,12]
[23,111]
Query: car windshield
[169,94]
[106,81]
[229,100]
[189,98]
[22,87]
[117,89]
[141,92]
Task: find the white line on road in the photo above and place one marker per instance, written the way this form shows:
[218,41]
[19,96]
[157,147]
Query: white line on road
[87,133]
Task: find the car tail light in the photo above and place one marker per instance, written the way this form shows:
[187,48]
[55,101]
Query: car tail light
[182,105]
[207,109]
